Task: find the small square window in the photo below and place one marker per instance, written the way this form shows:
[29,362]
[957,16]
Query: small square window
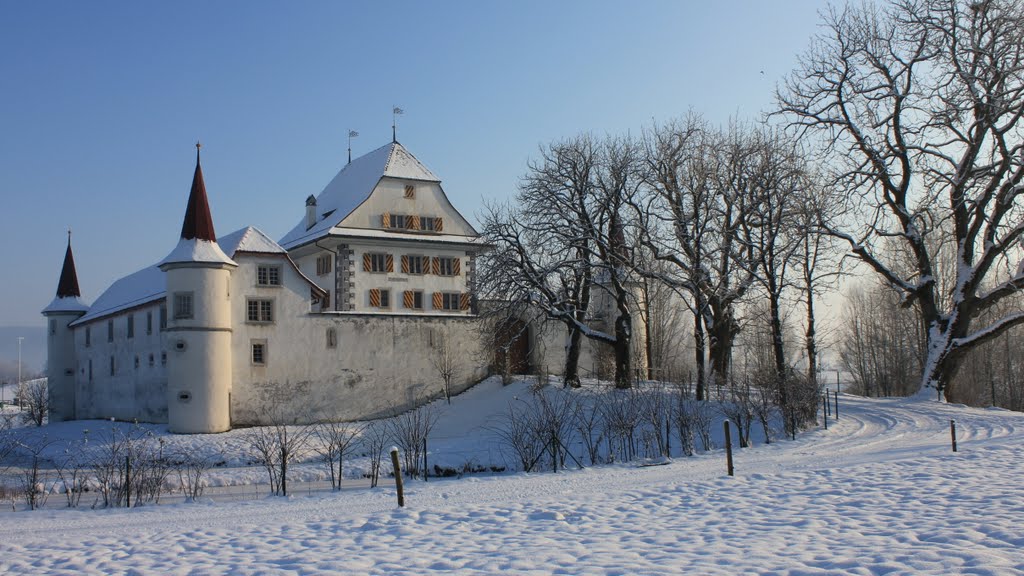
[259,353]
[259,310]
[378,262]
[413,299]
[380,298]
[163,317]
[182,305]
[149,322]
[450,301]
[163,358]
[268,275]
[151,361]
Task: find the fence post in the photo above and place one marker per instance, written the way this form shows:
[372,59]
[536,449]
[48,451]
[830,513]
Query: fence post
[952,433]
[824,412]
[424,459]
[554,452]
[728,447]
[828,401]
[837,404]
[398,477]
[128,480]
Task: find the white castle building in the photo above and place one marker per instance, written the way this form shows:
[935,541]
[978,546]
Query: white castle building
[340,319]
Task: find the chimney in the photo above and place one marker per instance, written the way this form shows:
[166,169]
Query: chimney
[310,212]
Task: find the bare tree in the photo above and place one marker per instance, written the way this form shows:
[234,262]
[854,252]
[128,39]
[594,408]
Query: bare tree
[335,441]
[446,362]
[35,401]
[918,105]
[375,441]
[410,430]
[276,445]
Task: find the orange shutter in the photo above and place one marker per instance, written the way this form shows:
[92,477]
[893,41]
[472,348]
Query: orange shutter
[390,263]
[375,298]
[438,225]
[436,266]
[366,263]
[405,264]
[456,265]
[414,222]
[464,300]
[438,301]
[385,220]
[407,299]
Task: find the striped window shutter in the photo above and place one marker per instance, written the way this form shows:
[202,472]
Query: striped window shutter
[438,301]
[385,220]
[436,266]
[405,264]
[390,262]
[407,299]
[464,300]
[438,225]
[375,298]
[456,266]
[367,266]
[412,222]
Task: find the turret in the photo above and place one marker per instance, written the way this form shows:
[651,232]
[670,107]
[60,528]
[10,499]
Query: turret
[199,363]
[61,361]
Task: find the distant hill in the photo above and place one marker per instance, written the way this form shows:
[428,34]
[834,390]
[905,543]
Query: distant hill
[33,351]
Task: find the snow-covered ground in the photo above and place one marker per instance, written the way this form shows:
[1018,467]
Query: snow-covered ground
[880,492]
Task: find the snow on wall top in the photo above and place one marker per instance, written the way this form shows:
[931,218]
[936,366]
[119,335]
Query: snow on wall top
[66,304]
[197,250]
[150,284]
[353,184]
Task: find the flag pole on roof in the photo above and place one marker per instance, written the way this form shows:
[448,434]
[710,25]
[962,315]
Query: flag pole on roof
[395,111]
[351,134]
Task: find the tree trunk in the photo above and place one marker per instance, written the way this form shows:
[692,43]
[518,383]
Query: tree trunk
[699,355]
[623,337]
[777,343]
[571,372]
[723,333]
[810,339]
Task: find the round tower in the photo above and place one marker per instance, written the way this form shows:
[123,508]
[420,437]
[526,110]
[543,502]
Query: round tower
[199,366]
[61,360]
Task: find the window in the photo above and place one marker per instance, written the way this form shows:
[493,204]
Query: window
[430,224]
[323,264]
[151,362]
[380,298]
[53,326]
[398,222]
[111,365]
[410,191]
[259,352]
[163,358]
[413,299]
[136,362]
[378,262]
[88,336]
[163,317]
[149,322]
[447,266]
[259,310]
[332,338]
[110,330]
[131,325]
[450,301]
[270,275]
[415,264]
[182,305]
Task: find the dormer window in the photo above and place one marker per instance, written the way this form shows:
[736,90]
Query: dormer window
[431,224]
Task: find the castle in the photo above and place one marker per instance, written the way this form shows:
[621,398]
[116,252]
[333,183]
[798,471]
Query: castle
[340,319]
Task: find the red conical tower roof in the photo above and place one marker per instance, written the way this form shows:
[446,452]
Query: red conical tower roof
[198,223]
[68,285]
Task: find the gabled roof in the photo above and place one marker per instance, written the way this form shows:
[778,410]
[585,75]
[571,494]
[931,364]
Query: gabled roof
[150,284]
[353,185]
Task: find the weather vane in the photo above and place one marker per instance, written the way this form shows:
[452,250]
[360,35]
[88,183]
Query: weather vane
[395,111]
[351,134]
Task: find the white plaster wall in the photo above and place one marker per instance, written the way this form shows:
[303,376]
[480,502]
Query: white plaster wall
[199,364]
[132,393]
[61,365]
[398,282]
[389,196]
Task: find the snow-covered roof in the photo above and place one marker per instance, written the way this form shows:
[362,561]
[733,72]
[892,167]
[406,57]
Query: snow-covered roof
[150,284]
[353,185]
[392,235]
[66,304]
[197,250]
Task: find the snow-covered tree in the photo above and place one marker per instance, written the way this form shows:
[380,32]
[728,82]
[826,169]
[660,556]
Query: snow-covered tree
[917,106]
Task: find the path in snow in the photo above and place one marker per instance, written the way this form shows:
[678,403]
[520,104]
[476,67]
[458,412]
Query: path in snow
[878,493]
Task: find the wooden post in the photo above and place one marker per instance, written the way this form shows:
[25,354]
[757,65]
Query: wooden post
[952,433]
[824,409]
[828,402]
[398,477]
[128,480]
[728,447]
[424,459]
[554,452]
[837,404]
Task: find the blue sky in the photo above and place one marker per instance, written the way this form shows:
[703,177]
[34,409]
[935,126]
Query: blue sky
[103,101]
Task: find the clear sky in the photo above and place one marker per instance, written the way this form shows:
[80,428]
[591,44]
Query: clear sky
[102,102]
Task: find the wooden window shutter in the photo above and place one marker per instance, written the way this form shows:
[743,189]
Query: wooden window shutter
[375,297]
[456,266]
[435,266]
[385,220]
[390,262]
[407,299]
[405,264]
[438,225]
[438,301]
[367,266]
[413,222]
[464,300]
